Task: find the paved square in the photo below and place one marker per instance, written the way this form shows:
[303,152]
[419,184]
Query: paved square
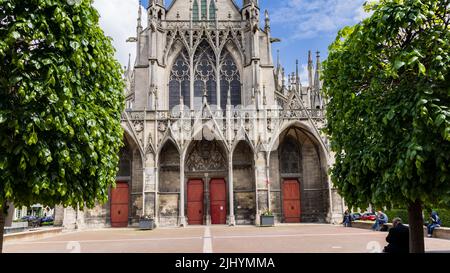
[296,238]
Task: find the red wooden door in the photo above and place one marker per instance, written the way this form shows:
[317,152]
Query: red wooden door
[291,201]
[195,202]
[119,205]
[218,198]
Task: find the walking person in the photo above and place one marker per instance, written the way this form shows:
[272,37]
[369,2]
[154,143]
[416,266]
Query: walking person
[435,222]
[347,221]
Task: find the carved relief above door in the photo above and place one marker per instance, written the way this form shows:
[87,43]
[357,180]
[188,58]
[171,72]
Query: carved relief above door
[206,156]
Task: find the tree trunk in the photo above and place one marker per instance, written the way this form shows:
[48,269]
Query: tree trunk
[416,238]
[2,225]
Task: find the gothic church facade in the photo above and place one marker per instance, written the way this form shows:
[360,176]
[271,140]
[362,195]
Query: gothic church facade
[215,131]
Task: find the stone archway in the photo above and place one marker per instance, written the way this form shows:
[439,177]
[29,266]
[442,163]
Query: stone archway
[299,183]
[244,185]
[206,173]
[169,185]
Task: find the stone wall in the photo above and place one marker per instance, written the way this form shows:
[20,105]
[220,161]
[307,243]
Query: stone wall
[244,184]
[314,193]
[169,186]
[59,216]
[245,208]
[275,186]
[169,181]
[97,217]
[168,209]
[244,196]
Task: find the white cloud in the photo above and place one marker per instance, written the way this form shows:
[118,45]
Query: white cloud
[118,20]
[312,18]
[304,75]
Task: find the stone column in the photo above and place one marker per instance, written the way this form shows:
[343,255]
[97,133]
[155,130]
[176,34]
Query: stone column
[182,218]
[191,83]
[58,216]
[269,203]
[231,219]
[156,203]
[207,200]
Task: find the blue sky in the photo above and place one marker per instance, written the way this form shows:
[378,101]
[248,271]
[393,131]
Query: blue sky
[302,25]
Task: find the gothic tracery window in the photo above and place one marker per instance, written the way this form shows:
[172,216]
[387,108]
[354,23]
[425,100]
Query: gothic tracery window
[125,161]
[179,84]
[204,13]
[209,73]
[230,81]
[195,11]
[290,158]
[204,75]
[212,11]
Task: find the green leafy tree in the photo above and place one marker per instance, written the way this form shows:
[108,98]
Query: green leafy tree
[388,84]
[61,97]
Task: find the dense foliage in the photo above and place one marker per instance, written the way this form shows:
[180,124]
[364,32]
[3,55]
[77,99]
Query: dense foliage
[444,215]
[388,84]
[61,97]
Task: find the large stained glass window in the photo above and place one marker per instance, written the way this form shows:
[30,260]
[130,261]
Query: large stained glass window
[230,81]
[205,78]
[204,13]
[212,11]
[290,159]
[179,84]
[195,11]
[204,75]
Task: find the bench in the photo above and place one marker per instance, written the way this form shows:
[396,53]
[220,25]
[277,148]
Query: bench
[32,234]
[439,232]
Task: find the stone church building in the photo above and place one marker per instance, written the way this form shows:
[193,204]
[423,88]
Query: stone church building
[215,131]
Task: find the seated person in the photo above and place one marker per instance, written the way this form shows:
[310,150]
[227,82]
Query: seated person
[380,221]
[435,222]
[398,238]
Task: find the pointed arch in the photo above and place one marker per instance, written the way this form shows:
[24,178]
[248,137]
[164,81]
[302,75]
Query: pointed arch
[180,80]
[204,74]
[242,135]
[206,156]
[168,182]
[299,158]
[244,182]
[176,44]
[230,80]
[125,158]
[132,138]
[169,167]
[290,156]
[231,45]
[309,131]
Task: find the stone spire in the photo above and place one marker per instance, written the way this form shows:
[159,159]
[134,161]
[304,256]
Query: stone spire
[139,20]
[317,102]
[249,2]
[297,77]
[310,69]
[156,2]
[129,65]
[278,59]
[138,34]
[267,20]
[317,74]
